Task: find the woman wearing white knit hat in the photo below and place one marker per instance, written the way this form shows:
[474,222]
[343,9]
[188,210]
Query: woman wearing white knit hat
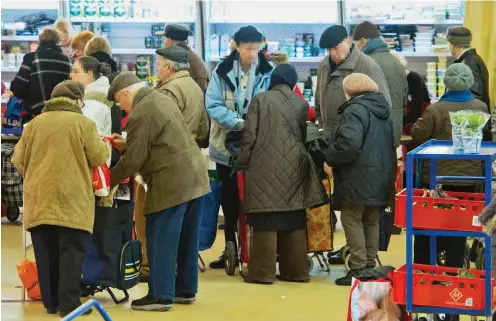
[360,157]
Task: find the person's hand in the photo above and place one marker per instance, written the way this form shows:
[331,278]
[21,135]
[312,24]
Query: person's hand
[328,170]
[119,142]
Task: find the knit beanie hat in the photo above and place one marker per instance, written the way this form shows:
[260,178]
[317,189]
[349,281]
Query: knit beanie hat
[366,30]
[357,83]
[70,89]
[333,36]
[459,36]
[247,34]
[458,77]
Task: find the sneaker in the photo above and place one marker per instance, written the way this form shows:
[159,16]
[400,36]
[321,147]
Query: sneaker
[87,312]
[185,298]
[360,274]
[150,304]
[220,263]
[345,280]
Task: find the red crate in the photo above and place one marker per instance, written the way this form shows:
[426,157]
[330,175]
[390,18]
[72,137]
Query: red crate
[462,216]
[459,293]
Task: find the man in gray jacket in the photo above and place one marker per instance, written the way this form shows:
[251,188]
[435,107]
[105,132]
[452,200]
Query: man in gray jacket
[343,59]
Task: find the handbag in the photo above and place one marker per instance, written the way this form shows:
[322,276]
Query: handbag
[316,146]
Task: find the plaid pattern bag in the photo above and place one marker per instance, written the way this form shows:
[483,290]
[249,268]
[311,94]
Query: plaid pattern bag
[11,178]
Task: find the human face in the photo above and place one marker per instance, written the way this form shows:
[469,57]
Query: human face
[361,43]
[339,53]
[248,52]
[78,74]
[163,69]
[125,100]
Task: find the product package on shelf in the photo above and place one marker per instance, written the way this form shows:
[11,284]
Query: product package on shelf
[144,67]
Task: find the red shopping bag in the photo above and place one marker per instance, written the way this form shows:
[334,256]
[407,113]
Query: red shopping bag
[29,278]
[101,180]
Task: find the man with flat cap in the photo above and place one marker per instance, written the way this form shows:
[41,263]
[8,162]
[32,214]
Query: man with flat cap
[235,81]
[176,35]
[160,147]
[343,59]
[459,39]
[176,83]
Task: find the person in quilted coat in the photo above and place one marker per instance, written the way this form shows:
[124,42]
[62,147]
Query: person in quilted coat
[281,181]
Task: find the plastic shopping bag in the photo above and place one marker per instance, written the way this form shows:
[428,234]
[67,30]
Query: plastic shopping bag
[101,180]
[366,297]
[29,278]
[12,116]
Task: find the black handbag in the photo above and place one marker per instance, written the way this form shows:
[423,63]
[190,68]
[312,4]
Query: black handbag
[316,146]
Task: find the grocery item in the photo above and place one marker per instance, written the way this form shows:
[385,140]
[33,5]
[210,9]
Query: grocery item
[143,67]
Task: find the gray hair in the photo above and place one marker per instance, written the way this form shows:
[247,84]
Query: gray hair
[177,66]
[49,34]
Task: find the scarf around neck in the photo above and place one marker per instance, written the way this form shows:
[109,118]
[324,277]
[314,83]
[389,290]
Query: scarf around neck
[457,96]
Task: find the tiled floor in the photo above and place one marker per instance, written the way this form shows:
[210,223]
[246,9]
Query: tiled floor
[221,297]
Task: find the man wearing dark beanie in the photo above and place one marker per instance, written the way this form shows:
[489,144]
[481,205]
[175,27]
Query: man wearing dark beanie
[368,39]
[343,59]
[176,35]
[459,39]
[235,81]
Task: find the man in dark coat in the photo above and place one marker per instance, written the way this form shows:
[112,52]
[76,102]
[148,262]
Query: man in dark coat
[360,156]
[459,39]
[40,72]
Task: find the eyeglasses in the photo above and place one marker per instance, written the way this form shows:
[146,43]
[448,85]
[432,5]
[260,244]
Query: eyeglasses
[82,104]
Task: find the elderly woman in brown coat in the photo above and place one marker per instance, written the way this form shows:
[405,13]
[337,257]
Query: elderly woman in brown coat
[55,156]
[281,181]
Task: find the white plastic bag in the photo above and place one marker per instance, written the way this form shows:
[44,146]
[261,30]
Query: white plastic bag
[359,304]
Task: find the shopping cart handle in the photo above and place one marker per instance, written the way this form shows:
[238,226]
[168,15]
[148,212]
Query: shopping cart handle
[85,307]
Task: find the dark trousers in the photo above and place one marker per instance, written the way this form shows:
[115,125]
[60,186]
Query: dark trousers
[172,240]
[229,201]
[59,253]
[453,246]
[292,249]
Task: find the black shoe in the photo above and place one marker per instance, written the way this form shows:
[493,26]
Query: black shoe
[150,304]
[52,310]
[336,259]
[345,280]
[64,314]
[221,226]
[220,263]
[185,298]
[143,278]
[283,279]
[360,274]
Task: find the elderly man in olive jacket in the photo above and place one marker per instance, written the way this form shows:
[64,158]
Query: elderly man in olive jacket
[176,83]
[342,61]
[160,147]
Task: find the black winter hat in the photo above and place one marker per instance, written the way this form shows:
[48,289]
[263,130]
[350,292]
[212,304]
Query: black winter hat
[248,34]
[366,30]
[333,36]
[284,74]
[177,32]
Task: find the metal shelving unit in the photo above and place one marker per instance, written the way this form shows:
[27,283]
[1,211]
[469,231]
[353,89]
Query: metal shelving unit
[433,151]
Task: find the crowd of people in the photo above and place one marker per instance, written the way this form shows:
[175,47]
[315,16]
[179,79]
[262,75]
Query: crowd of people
[366,99]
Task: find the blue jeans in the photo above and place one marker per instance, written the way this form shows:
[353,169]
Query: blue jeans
[172,239]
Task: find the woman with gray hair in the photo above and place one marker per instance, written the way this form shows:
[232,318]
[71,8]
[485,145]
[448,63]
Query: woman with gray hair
[40,72]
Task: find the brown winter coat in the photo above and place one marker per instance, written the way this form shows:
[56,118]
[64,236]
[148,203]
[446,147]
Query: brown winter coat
[188,96]
[279,173]
[435,124]
[161,149]
[197,68]
[330,94]
[55,155]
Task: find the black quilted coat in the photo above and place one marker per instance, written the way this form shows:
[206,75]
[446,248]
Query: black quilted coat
[279,173]
[361,152]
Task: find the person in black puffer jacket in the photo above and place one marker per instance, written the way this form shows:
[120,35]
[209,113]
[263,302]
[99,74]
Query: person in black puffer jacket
[40,72]
[360,157]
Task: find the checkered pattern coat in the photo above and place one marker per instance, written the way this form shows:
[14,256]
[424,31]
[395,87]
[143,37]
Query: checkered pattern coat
[11,178]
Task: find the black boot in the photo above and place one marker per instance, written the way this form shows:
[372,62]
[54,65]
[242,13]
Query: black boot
[336,258]
[360,274]
[220,263]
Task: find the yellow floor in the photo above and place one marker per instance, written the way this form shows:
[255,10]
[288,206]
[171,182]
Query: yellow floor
[220,298]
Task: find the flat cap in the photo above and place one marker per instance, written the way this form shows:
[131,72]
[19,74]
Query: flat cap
[125,79]
[174,53]
[248,34]
[333,36]
[459,36]
[70,89]
[177,32]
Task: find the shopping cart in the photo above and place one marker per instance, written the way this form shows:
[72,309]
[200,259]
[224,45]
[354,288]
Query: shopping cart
[85,307]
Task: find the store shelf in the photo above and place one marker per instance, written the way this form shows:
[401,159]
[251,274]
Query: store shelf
[20,38]
[30,5]
[381,21]
[126,20]
[131,51]
[9,69]
[275,21]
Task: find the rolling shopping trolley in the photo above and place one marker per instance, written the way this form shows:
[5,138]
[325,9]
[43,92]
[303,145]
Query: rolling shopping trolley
[436,289]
